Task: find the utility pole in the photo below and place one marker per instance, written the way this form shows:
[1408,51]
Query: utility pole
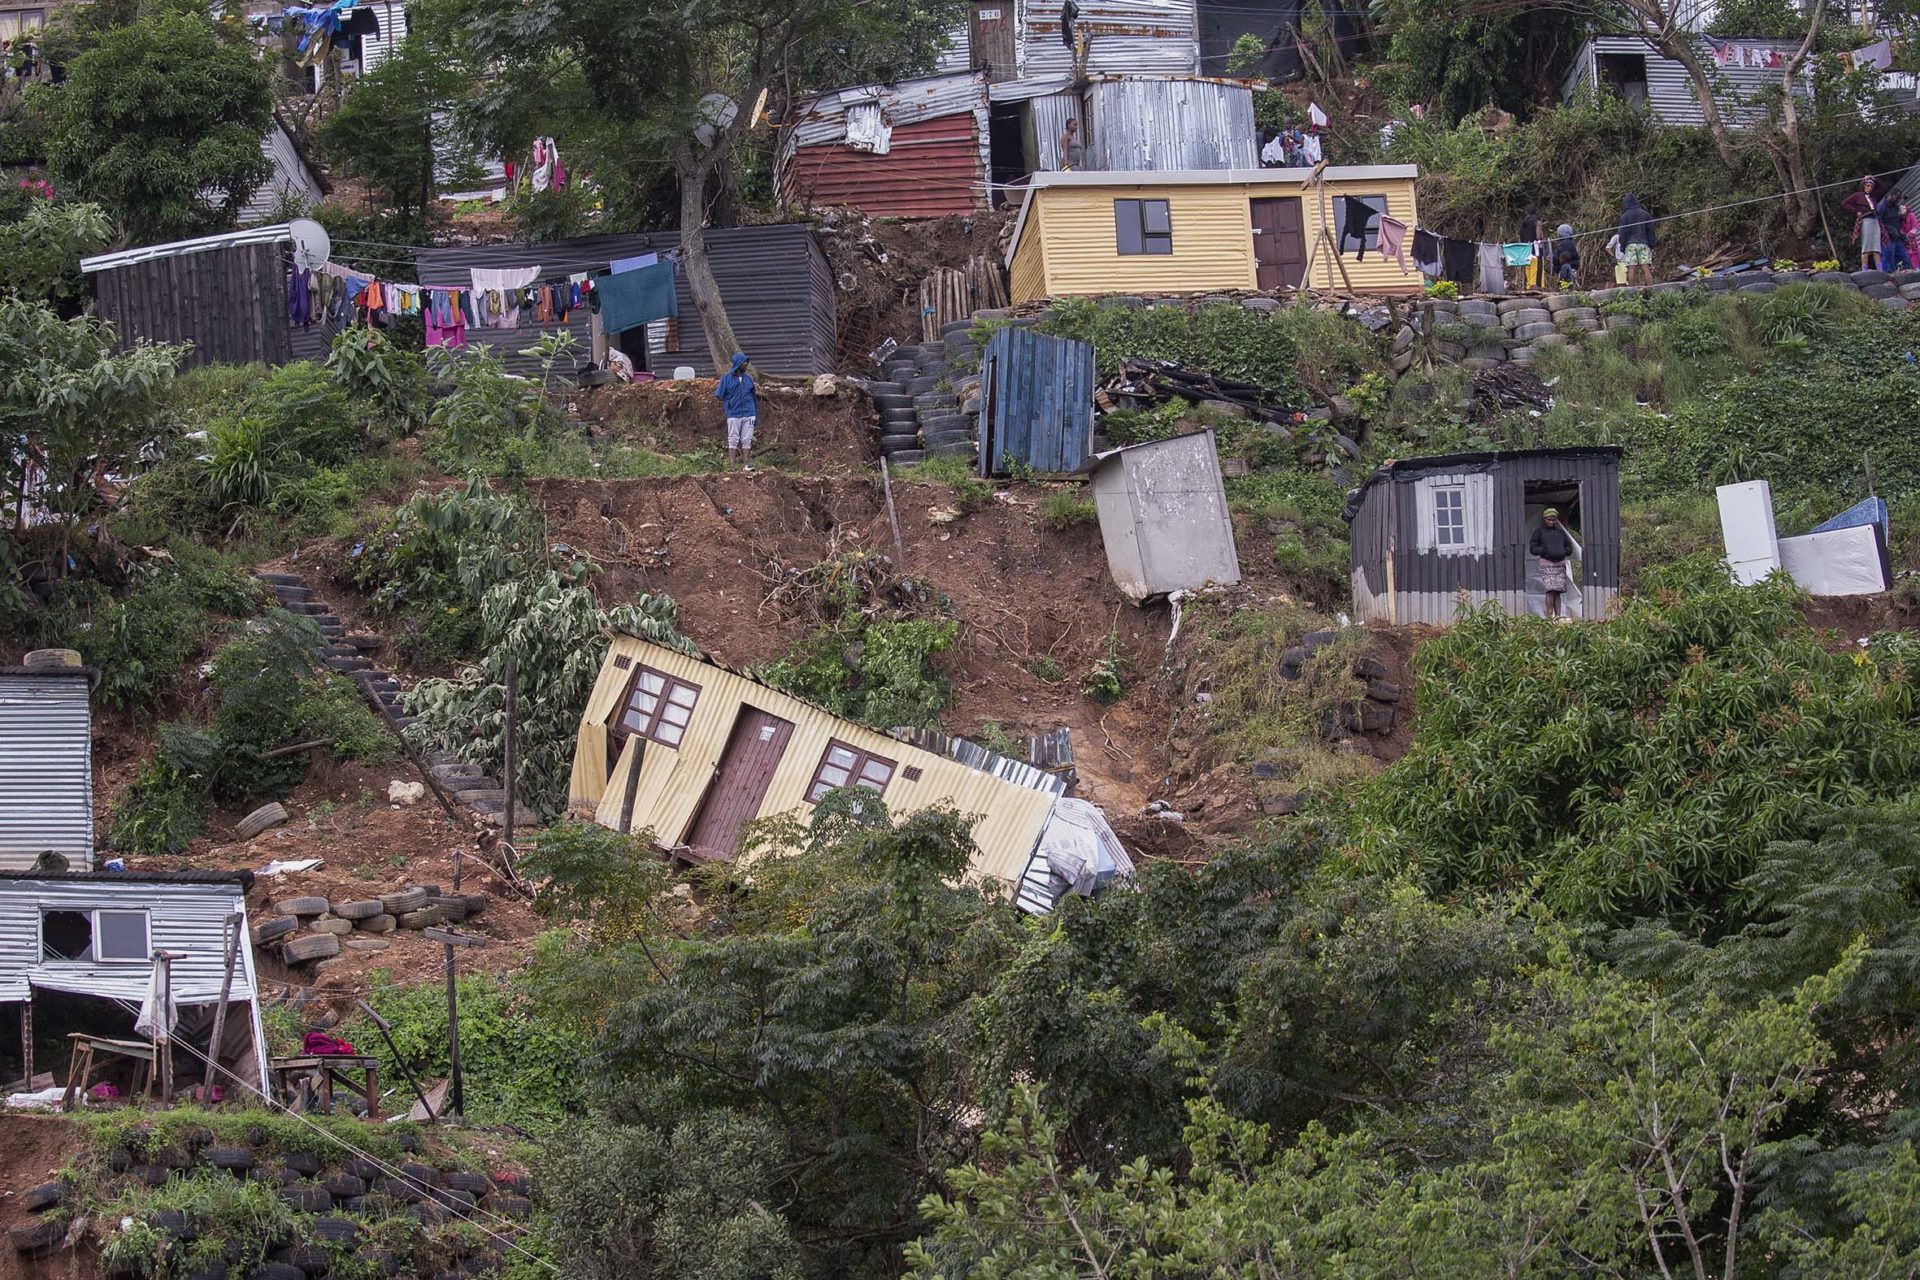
[456,1096]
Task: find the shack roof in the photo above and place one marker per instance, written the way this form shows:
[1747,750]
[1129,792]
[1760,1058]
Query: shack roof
[1331,174]
[1407,468]
[241,879]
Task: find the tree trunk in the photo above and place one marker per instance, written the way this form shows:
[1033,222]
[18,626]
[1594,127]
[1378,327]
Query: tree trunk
[693,173]
[1802,207]
[1678,46]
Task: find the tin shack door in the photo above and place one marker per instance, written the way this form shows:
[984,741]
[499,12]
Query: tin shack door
[991,35]
[739,784]
[1036,402]
[1279,243]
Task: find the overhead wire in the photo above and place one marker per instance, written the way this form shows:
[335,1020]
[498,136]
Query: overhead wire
[392,1171]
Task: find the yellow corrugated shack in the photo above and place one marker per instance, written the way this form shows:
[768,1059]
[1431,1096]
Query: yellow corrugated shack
[1198,231]
[692,751]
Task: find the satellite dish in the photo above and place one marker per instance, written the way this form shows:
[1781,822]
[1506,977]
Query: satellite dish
[312,247]
[713,113]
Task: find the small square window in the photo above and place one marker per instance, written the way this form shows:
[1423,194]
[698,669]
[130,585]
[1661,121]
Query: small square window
[842,766]
[1142,227]
[1450,517]
[121,935]
[657,707]
[1356,221]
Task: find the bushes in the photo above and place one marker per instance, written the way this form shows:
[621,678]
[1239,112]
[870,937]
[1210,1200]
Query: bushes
[1640,767]
[484,412]
[1064,509]
[371,367]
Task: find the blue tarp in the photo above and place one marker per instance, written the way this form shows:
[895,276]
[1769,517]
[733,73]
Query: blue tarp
[629,299]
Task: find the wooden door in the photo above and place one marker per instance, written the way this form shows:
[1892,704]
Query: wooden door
[739,785]
[990,37]
[1279,243]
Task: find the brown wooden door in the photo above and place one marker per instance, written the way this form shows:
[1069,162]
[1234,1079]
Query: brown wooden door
[1279,243]
[739,784]
[990,36]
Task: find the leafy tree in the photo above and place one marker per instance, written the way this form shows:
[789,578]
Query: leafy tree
[386,132]
[631,87]
[161,123]
[1641,767]
[40,254]
[73,405]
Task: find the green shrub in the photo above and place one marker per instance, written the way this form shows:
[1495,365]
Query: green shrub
[142,642]
[1105,681]
[309,414]
[372,368]
[160,812]
[483,413]
[1067,508]
[246,464]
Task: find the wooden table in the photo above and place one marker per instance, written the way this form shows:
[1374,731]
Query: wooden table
[80,1067]
[314,1075]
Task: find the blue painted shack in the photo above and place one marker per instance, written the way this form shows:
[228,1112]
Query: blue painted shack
[1036,402]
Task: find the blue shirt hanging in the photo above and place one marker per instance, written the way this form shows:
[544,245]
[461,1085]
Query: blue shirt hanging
[630,299]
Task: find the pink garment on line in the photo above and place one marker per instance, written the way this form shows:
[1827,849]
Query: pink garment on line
[1393,239]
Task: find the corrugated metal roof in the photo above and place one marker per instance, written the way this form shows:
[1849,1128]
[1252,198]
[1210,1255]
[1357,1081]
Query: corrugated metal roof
[1170,125]
[46,769]
[175,248]
[1135,36]
[975,756]
[933,169]
[774,279]
[824,119]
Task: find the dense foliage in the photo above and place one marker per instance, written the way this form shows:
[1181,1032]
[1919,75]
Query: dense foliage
[161,122]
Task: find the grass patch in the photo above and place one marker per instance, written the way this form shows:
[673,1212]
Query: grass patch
[953,471]
[1256,710]
[1065,509]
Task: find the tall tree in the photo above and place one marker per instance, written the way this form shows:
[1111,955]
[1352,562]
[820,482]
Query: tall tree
[630,86]
[386,132]
[161,122]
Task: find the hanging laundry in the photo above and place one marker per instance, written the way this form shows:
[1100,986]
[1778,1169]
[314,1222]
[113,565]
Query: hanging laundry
[634,298]
[1310,153]
[1393,240]
[1459,259]
[1493,272]
[1518,255]
[1357,222]
[299,300]
[504,286]
[1316,117]
[1426,252]
[445,320]
[632,264]
[546,157]
[1069,14]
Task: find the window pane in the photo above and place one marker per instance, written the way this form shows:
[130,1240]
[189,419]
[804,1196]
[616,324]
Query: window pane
[1157,244]
[675,715]
[816,792]
[651,681]
[122,935]
[834,777]
[682,695]
[841,756]
[872,786]
[1126,226]
[633,722]
[668,734]
[876,771]
[1154,218]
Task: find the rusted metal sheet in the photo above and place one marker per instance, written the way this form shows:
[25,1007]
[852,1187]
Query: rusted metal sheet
[1170,124]
[824,119]
[932,168]
[1036,401]
[1046,120]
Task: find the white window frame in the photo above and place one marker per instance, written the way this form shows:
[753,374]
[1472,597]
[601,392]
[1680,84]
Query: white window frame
[1476,513]
[93,915]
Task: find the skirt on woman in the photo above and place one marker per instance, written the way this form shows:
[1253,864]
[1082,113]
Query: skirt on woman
[1553,575]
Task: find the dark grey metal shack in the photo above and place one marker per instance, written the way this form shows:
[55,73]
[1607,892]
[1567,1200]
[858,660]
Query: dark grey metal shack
[778,291]
[1430,534]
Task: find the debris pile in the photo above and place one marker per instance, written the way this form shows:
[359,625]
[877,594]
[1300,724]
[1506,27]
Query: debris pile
[311,928]
[1505,388]
[1144,383]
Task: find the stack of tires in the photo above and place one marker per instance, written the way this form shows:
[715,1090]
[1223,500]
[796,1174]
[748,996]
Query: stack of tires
[921,413]
[312,928]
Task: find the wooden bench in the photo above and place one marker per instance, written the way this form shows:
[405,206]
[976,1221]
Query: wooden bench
[80,1067]
[306,1083]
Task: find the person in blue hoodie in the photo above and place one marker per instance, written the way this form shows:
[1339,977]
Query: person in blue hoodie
[735,394]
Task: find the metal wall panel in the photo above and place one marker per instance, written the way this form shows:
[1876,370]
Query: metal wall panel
[933,169]
[229,301]
[1176,502]
[777,292]
[46,769]
[1132,37]
[1046,119]
[824,119]
[291,182]
[1037,401]
[1171,124]
[1670,93]
[184,918]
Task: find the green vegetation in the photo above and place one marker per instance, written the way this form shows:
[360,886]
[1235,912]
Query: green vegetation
[871,655]
[1064,509]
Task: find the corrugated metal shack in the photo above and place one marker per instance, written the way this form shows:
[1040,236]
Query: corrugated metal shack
[93,934]
[1164,518]
[1431,534]
[1036,402]
[690,752]
[46,765]
[1630,67]
[778,291]
[1170,124]
[293,184]
[225,294]
[917,149]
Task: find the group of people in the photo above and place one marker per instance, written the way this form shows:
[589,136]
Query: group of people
[1557,258]
[1292,148]
[1883,226]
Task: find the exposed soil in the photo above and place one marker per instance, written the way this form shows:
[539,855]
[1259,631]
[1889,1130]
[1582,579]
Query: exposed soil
[821,435]
[878,264]
[35,1149]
